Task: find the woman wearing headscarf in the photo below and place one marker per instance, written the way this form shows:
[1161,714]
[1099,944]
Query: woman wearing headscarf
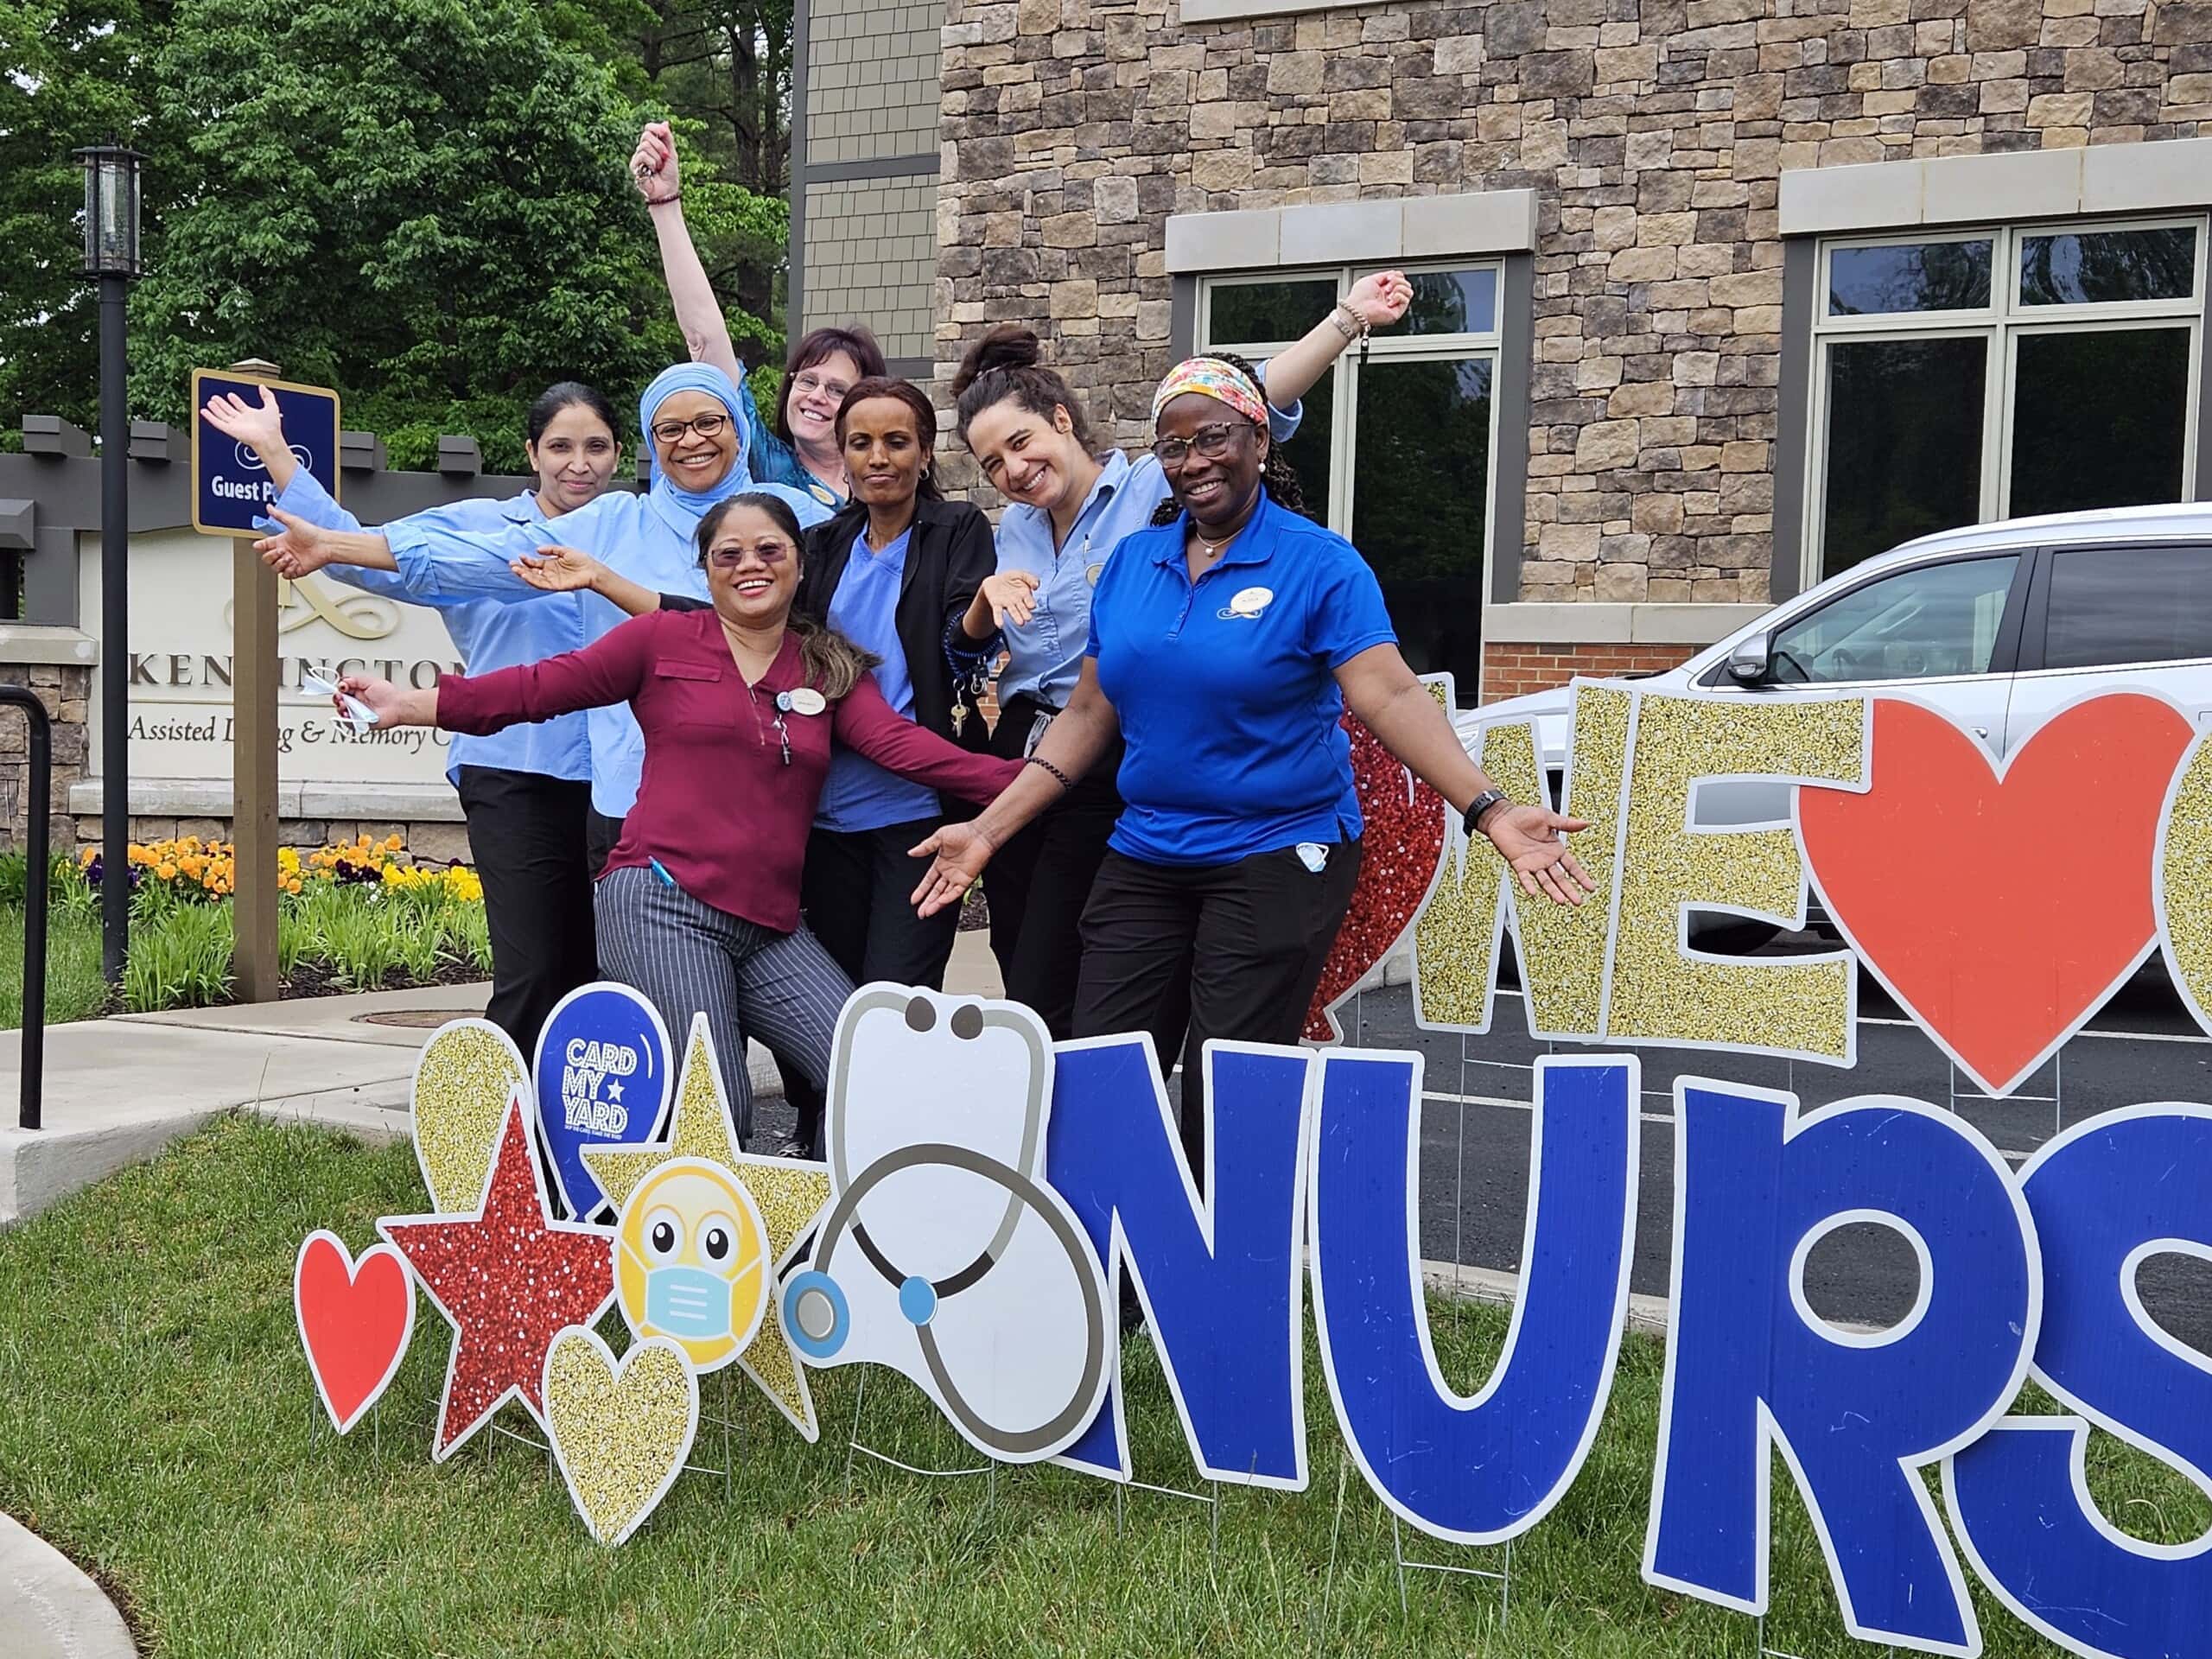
[799,447]
[1070,504]
[525,793]
[1225,643]
[693,419]
[739,703]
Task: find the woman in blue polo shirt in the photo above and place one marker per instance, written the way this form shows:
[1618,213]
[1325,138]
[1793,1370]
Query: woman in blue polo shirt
[526,791]
[1225,644]
[1070,505]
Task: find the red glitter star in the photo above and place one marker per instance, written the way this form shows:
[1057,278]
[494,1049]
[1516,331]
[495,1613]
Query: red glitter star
[508,1279]
[1403,842]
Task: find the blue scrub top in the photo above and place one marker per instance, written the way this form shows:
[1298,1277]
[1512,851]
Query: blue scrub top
[487,634]
[858,794]
[1226,689]
[1044,654]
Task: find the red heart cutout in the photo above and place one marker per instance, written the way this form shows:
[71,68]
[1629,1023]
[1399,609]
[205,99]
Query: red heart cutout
[1999,907]
[355,1319]
[1403,842]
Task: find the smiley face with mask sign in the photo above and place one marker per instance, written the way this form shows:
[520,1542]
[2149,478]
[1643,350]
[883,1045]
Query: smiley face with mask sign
[690,1262]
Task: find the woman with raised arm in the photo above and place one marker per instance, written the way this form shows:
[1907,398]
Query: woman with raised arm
[1224,644]
[799,447]
[525,793]
[739,703]
[1071,504]
[694,427]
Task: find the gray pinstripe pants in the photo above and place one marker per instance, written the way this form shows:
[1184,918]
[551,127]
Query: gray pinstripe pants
[688,956]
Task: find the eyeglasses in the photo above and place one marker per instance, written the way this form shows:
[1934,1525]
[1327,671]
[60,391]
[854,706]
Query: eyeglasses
[1213,441]
[810,382]
[707,426]
[768,553]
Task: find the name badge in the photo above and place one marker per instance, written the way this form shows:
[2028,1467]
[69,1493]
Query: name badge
[1091,575]
[804,701]
[1248,602]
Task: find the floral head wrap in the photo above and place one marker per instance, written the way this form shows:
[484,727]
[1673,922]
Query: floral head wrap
[1210,377]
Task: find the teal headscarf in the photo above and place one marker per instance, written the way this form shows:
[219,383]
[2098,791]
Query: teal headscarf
[682,508]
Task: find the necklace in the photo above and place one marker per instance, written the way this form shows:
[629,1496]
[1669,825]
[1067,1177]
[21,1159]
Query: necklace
[1212,549]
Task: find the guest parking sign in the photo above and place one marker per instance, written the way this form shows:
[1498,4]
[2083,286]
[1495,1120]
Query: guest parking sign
[230,486]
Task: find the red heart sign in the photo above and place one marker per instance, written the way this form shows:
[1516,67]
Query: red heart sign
[1403,840]
[355,1318]
[2000,906]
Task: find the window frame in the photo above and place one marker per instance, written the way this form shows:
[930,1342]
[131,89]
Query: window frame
[2001,323]
[1345,371]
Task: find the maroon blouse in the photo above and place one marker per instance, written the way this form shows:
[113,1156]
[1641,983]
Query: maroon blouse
[718,804]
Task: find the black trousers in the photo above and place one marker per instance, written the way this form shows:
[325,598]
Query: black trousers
[526,831]
[1039,882]
[858,897]
[601,833]
[1191,953]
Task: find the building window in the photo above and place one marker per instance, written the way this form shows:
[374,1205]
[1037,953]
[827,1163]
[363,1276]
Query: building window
[1971,375]
[1398,445]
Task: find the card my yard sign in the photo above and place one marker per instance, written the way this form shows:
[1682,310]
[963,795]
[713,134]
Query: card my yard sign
[987,1192]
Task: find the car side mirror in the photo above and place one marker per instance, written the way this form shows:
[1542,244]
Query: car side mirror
[1747,663]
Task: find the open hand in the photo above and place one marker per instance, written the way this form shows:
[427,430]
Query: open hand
[385,699]
[1532,839]
[1012,596]
[960,851]
[1381,299]
[261,430]
[560,570]
[299,549]
[652,164]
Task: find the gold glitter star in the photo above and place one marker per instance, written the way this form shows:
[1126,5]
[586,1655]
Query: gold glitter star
[790,1195]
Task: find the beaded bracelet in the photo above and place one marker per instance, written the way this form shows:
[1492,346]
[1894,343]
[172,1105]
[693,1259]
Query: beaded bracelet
[1039,761]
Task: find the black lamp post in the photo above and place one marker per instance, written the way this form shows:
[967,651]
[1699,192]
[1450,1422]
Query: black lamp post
[111,254]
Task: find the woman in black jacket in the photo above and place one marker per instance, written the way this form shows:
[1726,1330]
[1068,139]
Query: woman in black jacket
[895,573]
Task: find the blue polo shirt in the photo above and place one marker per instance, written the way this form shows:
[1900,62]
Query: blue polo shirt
[1226,689]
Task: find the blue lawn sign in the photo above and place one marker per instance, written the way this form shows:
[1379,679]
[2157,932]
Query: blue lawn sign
[603,1080]
[230,486]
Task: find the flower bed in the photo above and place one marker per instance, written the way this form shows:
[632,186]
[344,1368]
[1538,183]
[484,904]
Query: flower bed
[359,916]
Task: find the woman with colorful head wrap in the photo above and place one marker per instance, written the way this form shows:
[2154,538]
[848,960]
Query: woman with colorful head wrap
[1225,644]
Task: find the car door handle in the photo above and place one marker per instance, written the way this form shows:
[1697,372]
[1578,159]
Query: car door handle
[1981,731]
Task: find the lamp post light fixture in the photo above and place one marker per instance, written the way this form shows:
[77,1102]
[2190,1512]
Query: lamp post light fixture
[111,254]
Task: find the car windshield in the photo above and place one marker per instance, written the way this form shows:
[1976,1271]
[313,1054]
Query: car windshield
[1934,621]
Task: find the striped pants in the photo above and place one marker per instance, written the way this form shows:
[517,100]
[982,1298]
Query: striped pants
[687,957]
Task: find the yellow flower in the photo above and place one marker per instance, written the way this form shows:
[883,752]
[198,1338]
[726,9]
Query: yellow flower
[166,871]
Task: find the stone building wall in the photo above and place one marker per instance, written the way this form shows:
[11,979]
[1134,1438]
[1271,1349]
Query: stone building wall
[1654,131]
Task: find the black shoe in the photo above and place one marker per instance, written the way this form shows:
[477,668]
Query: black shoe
[791,1147]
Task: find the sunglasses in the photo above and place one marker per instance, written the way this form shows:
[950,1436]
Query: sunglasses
[767,553]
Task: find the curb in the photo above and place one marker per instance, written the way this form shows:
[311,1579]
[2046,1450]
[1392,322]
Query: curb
[50,1610]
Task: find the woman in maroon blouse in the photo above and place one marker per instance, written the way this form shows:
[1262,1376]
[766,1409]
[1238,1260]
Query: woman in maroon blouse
[698,906]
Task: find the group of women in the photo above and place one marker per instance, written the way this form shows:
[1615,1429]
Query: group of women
[779,653]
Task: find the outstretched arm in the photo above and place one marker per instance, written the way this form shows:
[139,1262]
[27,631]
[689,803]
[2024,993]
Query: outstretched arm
[706,331]
[259,427]
[608,670]
[567,570]
[1077,737]
[1375,302]
[1380,691]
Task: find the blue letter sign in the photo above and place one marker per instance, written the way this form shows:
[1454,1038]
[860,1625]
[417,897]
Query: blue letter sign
[230,486]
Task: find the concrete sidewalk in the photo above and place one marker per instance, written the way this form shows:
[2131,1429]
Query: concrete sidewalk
[117,1091]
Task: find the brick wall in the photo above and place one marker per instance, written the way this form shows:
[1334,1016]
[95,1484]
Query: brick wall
[1654,131]
[1513,669]
[65,689]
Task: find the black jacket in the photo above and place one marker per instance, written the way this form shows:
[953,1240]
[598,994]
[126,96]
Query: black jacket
[950,554]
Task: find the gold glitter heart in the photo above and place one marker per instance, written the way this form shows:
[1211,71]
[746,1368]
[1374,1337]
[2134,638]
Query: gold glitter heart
[464,1079]
[620,1432]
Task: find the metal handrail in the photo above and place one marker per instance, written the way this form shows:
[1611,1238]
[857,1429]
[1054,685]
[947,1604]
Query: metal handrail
[36,881]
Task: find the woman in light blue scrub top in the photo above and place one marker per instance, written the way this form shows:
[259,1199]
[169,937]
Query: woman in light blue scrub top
[1071,502]
[526,792]
[692,416]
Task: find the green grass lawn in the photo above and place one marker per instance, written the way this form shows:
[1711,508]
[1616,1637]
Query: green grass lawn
[157,1423]
[75,990]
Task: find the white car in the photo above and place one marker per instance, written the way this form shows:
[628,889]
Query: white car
[2000,626]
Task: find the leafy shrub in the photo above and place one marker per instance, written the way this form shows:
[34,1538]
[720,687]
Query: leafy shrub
[179,958]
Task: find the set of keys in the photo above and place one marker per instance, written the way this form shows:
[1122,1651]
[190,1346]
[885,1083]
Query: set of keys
[804,700]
